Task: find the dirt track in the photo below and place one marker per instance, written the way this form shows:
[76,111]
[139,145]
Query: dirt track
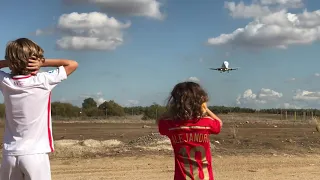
[243,151]
[257,151]
[252,138]
[161,167]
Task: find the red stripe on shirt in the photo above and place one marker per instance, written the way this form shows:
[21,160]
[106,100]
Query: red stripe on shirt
[49,123]
[20,77]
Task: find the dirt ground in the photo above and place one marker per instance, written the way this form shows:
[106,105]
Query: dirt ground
[161,167]
[246,149]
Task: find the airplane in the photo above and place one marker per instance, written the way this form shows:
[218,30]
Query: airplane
[224,67]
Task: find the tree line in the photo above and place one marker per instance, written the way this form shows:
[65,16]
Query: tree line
[91,109]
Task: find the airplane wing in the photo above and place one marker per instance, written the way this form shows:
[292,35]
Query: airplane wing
[218,69]
[234,68]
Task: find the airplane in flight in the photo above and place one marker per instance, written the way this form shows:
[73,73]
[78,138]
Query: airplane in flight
[224,67]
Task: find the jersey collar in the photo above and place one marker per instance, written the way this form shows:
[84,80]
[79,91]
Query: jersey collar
[21,77]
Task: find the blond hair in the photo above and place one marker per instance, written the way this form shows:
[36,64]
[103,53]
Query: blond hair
[18,52]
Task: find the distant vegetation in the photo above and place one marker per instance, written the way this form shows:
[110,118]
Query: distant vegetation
[90,109]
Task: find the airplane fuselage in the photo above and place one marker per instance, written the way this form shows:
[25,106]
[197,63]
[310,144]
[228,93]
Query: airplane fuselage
[224,70]
[224,67]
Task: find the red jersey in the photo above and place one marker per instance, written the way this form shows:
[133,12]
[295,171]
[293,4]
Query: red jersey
[191,144]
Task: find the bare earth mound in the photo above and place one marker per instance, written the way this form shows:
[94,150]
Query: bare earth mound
[86,148]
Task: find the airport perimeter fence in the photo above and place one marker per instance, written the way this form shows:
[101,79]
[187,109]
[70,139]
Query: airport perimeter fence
[283,115]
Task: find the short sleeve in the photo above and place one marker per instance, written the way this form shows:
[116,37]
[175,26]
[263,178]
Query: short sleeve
[2,76]
[215,126]
[163,127]
[54,77]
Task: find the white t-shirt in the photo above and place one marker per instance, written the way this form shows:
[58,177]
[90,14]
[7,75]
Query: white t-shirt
[28,126]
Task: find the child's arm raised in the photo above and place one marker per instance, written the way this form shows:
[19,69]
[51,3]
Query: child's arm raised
[212,115]
[215,122]
[4,64]
[52,78]
[69,65]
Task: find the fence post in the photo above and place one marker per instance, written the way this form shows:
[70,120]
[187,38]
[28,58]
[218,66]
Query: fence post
[286,114]
[295,115]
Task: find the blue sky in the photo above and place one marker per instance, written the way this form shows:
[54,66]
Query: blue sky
[158,46]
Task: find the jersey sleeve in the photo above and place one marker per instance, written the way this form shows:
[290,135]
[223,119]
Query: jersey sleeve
[163,127]
[2,76]
[214,125]
[54,77]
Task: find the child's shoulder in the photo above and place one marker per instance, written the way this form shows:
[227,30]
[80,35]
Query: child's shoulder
[165,120]
[207,117]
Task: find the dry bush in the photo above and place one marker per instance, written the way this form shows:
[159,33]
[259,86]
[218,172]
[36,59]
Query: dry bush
[316,122]
[234,131]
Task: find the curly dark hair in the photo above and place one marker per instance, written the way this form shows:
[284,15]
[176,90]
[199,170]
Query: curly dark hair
[185,101]
[18,52]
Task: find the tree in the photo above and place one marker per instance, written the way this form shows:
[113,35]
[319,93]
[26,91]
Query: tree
[111,108]
[64,109]
[153,112]
[92,112]
[135,110]
[89,103]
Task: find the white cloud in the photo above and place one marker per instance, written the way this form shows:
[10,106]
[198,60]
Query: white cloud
[284,3]
[268,94]
[276,29]
[291,79]
[98,97]
[194,79]
[63,100]
[90,31]
[317,74]
[99,94]
[304,99]
[289,106]
[306,96]
[100,100]
[47,31]
[246,11]
[250,99]
[39,32]
[146,8]
[260,8]
[96,30]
